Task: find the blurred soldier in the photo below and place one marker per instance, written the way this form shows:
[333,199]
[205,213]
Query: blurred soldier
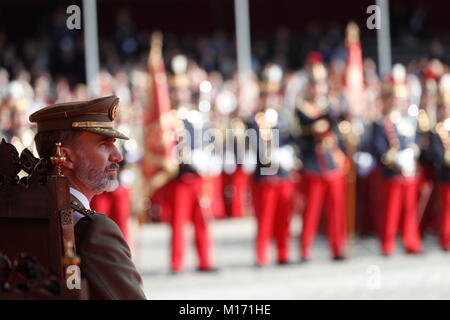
[239,159]
[187,203]
[224,106]
[426,180]
[273,186]
[440,146]
[324,165]
[395,145]
[213,169]
[367,170]
[245,159]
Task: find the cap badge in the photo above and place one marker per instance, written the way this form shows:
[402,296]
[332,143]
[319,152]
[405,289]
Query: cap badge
[112,112]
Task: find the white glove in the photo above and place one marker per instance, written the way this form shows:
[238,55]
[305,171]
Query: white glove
[406,161]
[284,156]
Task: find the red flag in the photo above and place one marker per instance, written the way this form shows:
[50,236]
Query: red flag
[157,166]
[355,95]
[354,76]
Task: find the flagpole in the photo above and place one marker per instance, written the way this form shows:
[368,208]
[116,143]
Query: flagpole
[384,39]
[241,12]
[355,87]
[91,46]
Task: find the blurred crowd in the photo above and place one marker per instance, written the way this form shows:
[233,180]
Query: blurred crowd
[295,82]
[49,67]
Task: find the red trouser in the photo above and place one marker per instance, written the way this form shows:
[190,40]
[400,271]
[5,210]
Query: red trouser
[400,196]
[116,205]
[428,200]
[370,202]
[328,190]
[163,198]
[240,184]
[444,232]
[187,191]
[218,200]
[273,205]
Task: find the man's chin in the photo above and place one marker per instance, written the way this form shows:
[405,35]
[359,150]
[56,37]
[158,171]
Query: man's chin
[112,185]
[112,175]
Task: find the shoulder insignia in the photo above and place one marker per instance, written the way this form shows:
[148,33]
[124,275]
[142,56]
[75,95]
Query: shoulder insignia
[79,207]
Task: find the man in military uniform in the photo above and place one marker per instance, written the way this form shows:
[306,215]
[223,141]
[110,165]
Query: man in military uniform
[395,144]
[273,186]
[324,165]
[440,152]
[91,167]
[426,120]
[188,200]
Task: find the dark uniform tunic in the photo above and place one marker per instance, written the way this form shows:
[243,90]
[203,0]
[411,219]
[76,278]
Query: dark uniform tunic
[273,190]
[399,181]
[323,177]
[437,152]
[105,257]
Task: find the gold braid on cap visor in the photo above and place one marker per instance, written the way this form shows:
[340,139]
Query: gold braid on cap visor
[91,124]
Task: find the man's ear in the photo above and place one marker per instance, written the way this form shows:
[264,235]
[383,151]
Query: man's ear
[71,157]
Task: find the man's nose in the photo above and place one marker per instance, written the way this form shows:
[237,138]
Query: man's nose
[115,155]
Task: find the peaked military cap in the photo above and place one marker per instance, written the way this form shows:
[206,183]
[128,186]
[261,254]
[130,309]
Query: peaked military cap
[94,116]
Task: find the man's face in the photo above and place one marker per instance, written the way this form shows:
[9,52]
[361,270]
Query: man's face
[316,89]
[388,102]
[96,164]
